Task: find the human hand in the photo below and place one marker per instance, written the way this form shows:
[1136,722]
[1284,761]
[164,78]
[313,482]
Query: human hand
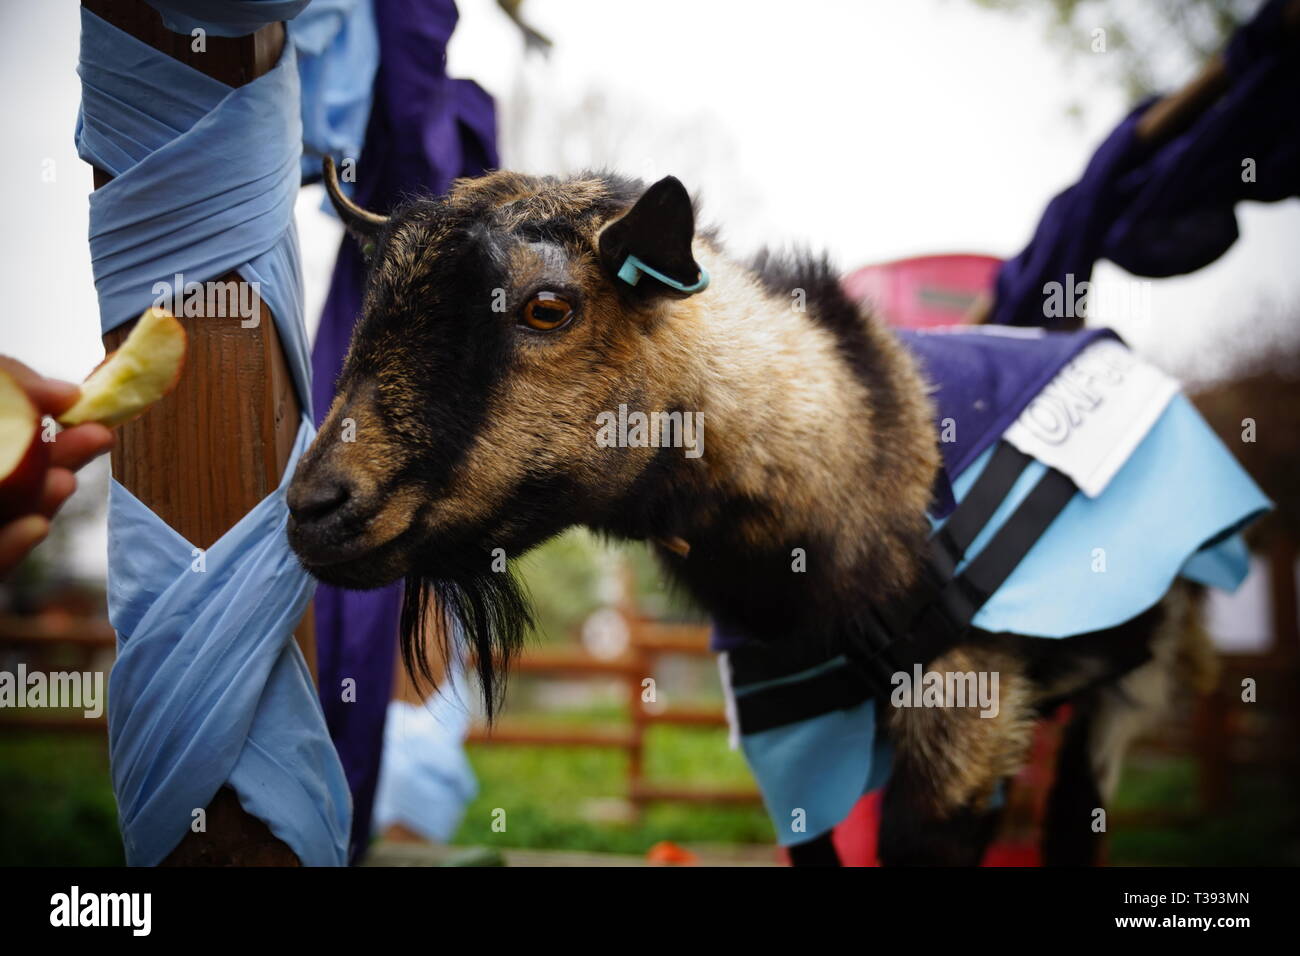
[71,449]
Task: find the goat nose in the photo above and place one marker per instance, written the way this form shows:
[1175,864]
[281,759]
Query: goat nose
[313,500]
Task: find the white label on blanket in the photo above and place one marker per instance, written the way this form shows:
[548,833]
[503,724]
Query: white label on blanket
[729,701]
[1093,414]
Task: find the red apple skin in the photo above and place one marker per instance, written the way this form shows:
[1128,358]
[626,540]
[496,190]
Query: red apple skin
[20,490]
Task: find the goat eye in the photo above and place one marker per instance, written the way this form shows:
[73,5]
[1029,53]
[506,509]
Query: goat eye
[547,311]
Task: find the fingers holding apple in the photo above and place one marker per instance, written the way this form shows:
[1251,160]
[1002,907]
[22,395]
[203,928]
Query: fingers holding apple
[74,447]
[59,485]
[36,476]
[49,395]
[24,454]
[18,537]
[36,464]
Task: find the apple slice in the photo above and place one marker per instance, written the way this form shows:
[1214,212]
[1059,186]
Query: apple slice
[130,379]
[23,456]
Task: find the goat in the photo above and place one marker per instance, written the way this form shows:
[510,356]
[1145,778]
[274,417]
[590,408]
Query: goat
[496,329]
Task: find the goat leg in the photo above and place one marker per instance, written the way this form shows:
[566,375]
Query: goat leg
[940,806]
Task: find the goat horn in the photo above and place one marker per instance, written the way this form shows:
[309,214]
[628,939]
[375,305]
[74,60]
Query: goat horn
[678,546]
[346,206]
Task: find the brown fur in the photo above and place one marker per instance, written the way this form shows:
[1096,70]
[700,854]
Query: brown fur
[752,364]
[1183,659]
[804,447]
[960,755]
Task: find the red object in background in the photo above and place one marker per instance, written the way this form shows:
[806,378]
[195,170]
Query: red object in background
[917,293]
[668,852]
[924,291]
[1019,838]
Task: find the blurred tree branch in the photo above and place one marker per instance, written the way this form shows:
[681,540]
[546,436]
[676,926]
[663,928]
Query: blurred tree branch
[533,39]
[1154,43]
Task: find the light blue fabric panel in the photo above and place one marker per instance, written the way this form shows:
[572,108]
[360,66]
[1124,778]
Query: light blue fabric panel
[820,767]
[209,687]
[1221,566]
[1180,491]
[225,18]
[338,53]
[189,195]
[1174,507]
[426,781]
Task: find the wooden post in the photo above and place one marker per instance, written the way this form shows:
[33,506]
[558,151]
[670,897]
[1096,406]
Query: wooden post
[218,444]
[641,667]
[1285,653]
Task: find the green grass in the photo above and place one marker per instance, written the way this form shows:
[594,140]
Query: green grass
[546,794]
[57,807]
[566,575]
[56,802]
[1260,828]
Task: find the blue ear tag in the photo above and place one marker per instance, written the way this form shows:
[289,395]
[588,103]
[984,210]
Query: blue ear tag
[633,268]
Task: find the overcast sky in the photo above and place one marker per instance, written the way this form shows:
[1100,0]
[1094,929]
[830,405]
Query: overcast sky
[873,130]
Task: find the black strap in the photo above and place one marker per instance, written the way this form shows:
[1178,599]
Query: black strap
[945,619]
[756,663]
[782,704]
[968,519]
[1008,547]
[761,662]
[950,543]
[941,619]
[934,616]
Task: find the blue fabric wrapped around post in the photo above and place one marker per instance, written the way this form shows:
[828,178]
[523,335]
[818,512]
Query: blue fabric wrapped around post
[209,688]
[338,53]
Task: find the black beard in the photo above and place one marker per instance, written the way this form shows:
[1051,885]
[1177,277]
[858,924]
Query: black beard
[490,609]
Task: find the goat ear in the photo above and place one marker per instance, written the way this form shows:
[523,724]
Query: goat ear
[649,247]
[362,225]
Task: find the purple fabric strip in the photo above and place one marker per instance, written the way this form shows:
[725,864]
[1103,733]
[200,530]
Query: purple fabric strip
[425,130]
[983,379]
[1170,211]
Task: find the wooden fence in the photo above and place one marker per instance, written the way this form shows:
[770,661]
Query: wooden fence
[649,641]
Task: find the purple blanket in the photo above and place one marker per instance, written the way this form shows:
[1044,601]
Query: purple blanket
[425,130]
[1170,210]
